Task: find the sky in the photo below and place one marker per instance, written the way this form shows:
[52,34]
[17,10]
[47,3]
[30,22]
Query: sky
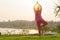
[23,10]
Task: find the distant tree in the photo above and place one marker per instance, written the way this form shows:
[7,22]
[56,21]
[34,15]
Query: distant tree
[58,28]
[8,20]
[46,28]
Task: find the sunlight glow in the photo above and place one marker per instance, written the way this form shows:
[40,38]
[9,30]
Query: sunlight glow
[23,9]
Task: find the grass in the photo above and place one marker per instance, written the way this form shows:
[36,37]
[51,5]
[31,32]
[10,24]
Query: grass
[35,37]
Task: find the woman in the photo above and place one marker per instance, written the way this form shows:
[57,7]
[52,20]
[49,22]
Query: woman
[39,21]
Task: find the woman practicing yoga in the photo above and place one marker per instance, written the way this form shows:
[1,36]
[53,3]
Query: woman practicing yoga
[38,18]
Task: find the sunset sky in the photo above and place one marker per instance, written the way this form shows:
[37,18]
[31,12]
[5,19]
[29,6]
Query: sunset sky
[23,10]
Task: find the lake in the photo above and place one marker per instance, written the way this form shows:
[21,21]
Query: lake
[17,31]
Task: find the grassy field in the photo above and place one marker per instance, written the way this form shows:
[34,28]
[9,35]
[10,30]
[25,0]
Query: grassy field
[35,37]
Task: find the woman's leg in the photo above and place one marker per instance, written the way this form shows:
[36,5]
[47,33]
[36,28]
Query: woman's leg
[39,27]
[43,22]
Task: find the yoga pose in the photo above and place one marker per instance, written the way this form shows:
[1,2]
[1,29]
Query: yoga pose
[38,18]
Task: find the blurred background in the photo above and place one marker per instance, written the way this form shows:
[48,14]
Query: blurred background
[18,15]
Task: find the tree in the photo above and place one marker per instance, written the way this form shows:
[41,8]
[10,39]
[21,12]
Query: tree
[57,8]
[58,28]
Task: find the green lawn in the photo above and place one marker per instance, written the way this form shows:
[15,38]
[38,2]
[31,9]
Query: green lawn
[48,37]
